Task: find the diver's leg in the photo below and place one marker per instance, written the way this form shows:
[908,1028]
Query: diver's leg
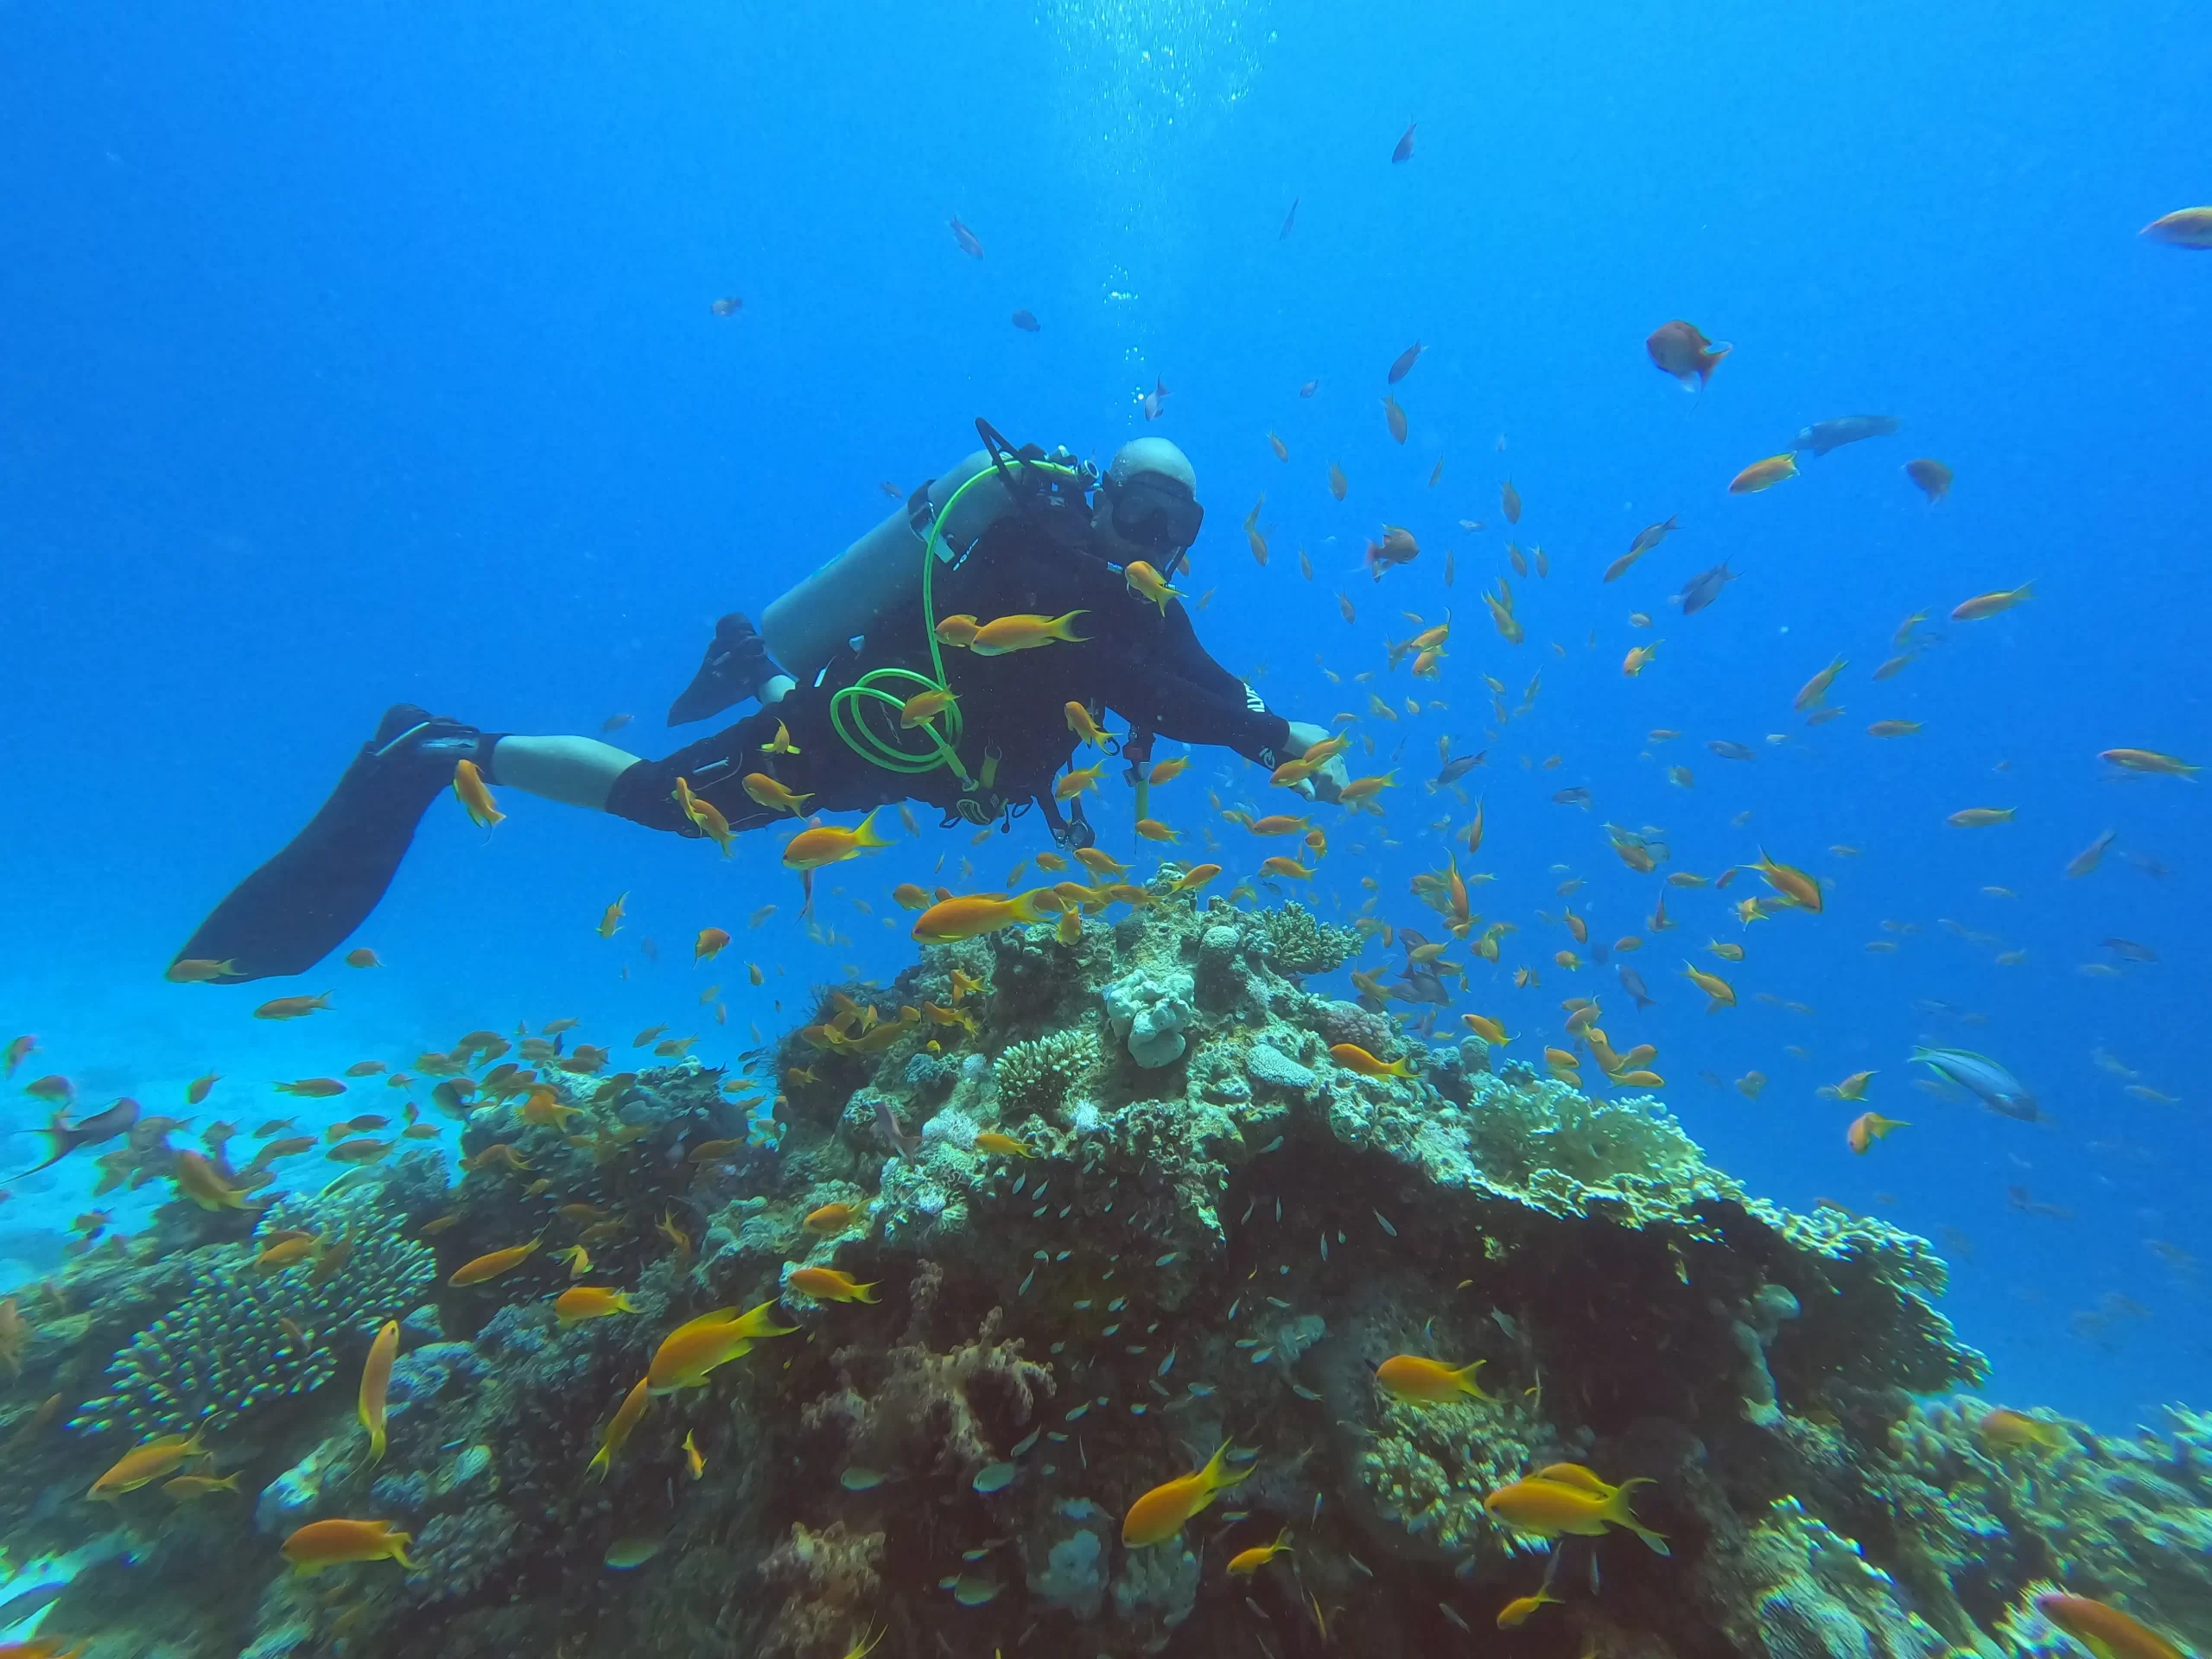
[575,771]
[300,905]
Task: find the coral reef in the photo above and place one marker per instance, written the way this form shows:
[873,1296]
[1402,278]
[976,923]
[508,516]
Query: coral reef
[1124,1208]
[230,1345]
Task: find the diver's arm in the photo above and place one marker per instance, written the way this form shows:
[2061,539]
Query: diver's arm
[1188,713]
[575,771]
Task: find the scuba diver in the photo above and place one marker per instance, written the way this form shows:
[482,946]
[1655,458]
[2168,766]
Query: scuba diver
[879,677]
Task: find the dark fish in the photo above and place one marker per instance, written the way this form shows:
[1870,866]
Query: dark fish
[1424,987]
[1651,534]
[2149,864]
[1404,365]
[891,489]
[1155,399]
[1632,983]
[64,1137]
[1577,795]
[1983,1077]
[1309,388]
[1823,436]
[729,308]
[1404,152]
[965,237]
[1026,320]
[17,1609]
[1933,477]
[1700,590]
[1680,349]
[887,1127]
[1458,767]
[2091,856]
[2128,951]
[1289,220]
[1727,750]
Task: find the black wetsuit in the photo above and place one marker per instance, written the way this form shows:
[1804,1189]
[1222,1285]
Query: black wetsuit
[1134,660]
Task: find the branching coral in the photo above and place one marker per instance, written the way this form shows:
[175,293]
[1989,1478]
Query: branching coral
[831,1582]
[225,1348]
[1294,942]
[910,1407]
[1038,1076]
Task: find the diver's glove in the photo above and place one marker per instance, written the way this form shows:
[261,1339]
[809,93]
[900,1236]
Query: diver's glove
[1328,783]
[736,664]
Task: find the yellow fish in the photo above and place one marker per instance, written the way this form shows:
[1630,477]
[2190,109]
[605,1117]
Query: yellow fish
[1584,1507]
[781,742]
[830,1284]
[831,843]
[1986,605]
[1353,1057]
[376,1377]
[611,921]
[695,1348]
[1167,770]
[1722,993]
[1246,1562]
[767,792]
[2015,1431]
[1160,1513]
[925,706]
[1004,1146]
[1078,779]
[581,1302]
[1981,817]
[618,1430]
[1817,688]
[1024,633]
[1764,474]
[1408,1377]
[1148,583]
[470,788]
[970,916]
[337,1543]
[1081,722]
[149,1462]
[491,1266]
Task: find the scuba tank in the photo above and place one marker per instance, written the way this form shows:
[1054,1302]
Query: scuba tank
[811,622]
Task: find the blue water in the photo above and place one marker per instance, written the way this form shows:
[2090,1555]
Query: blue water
[360,358]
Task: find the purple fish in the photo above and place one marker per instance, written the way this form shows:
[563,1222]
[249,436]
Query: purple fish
[1027,321]
[886,1125]
[1701,589]
[1404,152]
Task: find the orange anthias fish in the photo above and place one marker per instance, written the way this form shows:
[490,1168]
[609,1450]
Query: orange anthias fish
[2106,1631]
[581,1302]
[336,1544]
[1147,583]
[1567,1498]
[1003,1146]
[311,1088]
[376,1378]
[202,1182]
[830,1285]
[2170,766]
[291,1007]
[1353,1057]
[1764,474]
[1988,605]
[832,1219]
[146,1463]
[925,706]
[198,971]
[1161,1513]
[1933,477]
[1084,726]
[473,793]
[767,792]
[1680,349]
[1024,633]
[709,945]
[618,1429]
[695,1348]
[1246,1562]
[1793,883]
[1868,1127]
[971,915]
[610,921]
[492,1265]
[1427,1382]
[362,956]
[831,843]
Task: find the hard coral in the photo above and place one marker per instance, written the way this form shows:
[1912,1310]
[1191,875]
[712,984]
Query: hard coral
[1294,942]
[831,1582]
[222,1351]
[1038,1076]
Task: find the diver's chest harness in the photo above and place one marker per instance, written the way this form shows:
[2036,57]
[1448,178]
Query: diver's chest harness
[1049,493]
